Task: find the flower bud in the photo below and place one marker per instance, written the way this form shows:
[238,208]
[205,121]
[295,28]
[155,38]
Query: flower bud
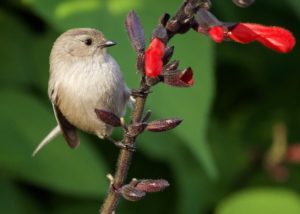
[151,185]
[108,117]
[163,125]
[131,193]
[135,32]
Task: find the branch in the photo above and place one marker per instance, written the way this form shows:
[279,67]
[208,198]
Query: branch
[166,29]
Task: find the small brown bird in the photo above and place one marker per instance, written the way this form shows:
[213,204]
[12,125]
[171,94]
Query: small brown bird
[83,77]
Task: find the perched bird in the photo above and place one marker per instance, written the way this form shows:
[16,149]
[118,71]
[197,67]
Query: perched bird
[83,77]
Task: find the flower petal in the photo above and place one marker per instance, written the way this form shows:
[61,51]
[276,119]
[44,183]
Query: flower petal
[153,58]
[275,38]
[216,33]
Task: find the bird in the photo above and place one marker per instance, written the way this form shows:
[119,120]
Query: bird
[83,77]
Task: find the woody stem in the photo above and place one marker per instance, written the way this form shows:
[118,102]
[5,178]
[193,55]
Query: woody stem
[124,161]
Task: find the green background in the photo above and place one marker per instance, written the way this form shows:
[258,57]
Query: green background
[214,161]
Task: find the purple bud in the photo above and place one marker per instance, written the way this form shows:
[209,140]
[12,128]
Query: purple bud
[131,193]
[108,117]
[135,32]
[151,185]
[163,125]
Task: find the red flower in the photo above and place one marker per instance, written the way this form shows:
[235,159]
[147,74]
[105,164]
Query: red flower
[216,33]
[153,58]
[275,38]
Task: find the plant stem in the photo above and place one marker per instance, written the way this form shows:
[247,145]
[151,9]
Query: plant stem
[124,161]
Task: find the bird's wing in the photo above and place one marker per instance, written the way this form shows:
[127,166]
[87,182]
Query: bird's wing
[68,130]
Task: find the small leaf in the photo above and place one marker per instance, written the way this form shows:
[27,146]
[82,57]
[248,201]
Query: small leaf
[163,125]
[151,185]
[131,193]
[135,32]
[108,117]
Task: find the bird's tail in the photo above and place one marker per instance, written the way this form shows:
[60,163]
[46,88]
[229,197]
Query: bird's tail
[54,133]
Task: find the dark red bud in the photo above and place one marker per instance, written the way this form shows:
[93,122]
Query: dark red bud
[131,193]
[150,185]
[108,117]
[163,125]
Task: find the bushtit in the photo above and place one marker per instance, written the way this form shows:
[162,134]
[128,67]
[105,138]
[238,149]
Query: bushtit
[83,77]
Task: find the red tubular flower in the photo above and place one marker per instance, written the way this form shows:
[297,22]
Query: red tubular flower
[216,33]
[153,58]
[275,38]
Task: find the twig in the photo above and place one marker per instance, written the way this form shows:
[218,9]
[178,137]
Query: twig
[167,28]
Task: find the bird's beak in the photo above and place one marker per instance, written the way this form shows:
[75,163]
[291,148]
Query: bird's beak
[107,43]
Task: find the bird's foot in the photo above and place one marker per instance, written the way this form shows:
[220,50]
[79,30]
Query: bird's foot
[128,147]
[122,145]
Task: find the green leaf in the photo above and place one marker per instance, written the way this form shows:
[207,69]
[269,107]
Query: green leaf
[15,52]
[261,201]
[24,122]
[295,5]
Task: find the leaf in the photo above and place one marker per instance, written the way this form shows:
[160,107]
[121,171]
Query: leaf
[15,52]
[24,122]
[261,201]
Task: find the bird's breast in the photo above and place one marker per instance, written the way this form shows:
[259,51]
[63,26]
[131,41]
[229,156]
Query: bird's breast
[89,85]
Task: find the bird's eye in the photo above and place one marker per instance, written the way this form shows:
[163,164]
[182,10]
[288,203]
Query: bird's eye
[88,41]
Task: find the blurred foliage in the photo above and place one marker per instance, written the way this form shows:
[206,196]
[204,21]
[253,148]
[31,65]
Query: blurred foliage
[214,160]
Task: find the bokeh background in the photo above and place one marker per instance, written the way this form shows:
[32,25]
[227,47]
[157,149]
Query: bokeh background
[235,152]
